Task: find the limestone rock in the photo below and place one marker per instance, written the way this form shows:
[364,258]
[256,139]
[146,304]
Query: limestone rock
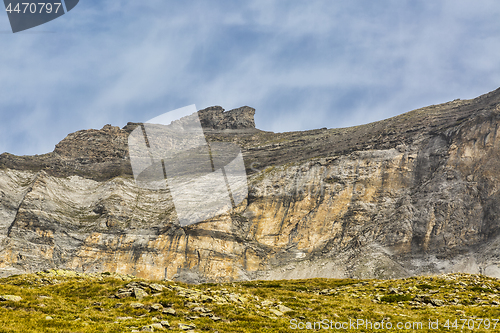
[137,305]
[156,307]
[283,308]
[410,195]
[169,311]
[156,287]
[186,327]
[139,293]
[157,326]
[11,298]
[276,312]
[215,118]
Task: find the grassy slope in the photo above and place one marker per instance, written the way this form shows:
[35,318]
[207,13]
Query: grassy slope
[82,303]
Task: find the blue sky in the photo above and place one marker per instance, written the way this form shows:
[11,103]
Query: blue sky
[302,64]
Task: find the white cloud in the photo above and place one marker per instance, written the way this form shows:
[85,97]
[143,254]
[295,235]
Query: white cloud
[302,64]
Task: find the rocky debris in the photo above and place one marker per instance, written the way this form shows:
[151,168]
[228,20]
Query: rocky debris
[198,301]
[436,302]
[328,292]
[276,312]
[156,288]
[41,297]
[186,327]
[267,303]
[139,293]
[49,275]
[137,305]
[439,293]
[393,291]
[156,307]
[284,309]
[123,294]
[201,309]
[161,326]
[10,298]
[158,326]
[169,311]
[138,290]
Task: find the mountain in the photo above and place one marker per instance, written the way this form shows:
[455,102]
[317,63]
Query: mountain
[410,195]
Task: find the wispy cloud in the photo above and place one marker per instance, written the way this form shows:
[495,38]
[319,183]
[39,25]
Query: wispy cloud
[301,64]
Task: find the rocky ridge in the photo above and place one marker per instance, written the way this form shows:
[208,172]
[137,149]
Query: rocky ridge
[410,195]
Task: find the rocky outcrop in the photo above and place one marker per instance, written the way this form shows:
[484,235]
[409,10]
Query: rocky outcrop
[413,194]
[238,119]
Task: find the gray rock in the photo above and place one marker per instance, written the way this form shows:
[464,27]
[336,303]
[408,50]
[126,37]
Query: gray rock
[284,309]
[137,305]
[436,302]
[157,326]
[276,312]
[139,293]
[11,298]
[169,311]
[157,288]
[201,309]
[186,327]
[411,201]
[156,307]
[123,295]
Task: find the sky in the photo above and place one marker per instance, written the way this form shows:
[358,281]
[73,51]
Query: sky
[302,64]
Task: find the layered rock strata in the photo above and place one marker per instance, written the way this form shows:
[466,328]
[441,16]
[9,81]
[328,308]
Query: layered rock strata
[413,194]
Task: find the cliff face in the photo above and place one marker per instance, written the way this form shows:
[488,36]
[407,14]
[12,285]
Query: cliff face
[414,194]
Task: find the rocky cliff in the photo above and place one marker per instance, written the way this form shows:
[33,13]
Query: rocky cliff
[414,194]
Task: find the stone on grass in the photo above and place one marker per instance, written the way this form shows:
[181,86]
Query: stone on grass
[276,312]
[266,303]
[284,309]
[123,294]
[201,309]
[157,288]
[11,298]
[157,326]
[139,293]
[156,307]
[137,305]
[186,327]
[169,311]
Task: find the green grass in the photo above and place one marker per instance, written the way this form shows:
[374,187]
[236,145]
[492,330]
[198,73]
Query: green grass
[85,303]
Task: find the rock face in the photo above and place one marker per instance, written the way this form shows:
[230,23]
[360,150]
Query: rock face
[414,194]
[215,118]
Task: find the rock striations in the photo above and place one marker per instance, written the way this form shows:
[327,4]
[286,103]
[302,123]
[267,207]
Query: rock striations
[410,195]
